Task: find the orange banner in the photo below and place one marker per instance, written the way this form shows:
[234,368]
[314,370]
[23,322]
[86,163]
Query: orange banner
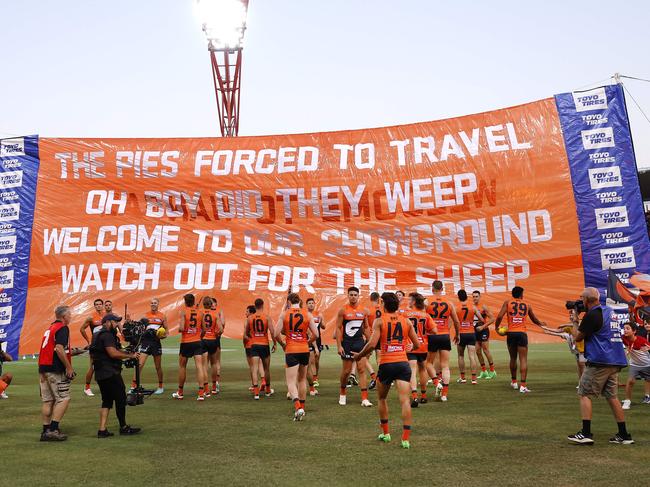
[481,202]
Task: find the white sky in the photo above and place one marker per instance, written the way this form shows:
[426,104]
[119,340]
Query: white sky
[141,69]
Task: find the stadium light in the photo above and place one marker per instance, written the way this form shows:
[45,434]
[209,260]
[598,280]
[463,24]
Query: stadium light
[224,23]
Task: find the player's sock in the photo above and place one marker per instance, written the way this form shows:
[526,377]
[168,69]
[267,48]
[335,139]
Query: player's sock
[133,384]
[473,377]
[622,430]
[423,393]
[302,403]
[373,376]
[343,390]
[214,384]
[513,378]
[414,394]
[445,389]
[364,394]
[54,425]
[406,432]
[180,390]
[296,404]
[522,383]
[160,384]
[312,388]
[586,426]
[483,368]
[263,382]
[436,381]
[256,390]
[384,425]
[267,389]
[439,375]
[206,388]
[462,375]
[46,427]
[491,367]
[87,385]
[200,391]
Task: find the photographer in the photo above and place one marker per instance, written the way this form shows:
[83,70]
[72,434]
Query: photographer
[605,356]
[107,356]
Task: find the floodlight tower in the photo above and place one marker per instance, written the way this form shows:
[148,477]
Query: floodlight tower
[224,24]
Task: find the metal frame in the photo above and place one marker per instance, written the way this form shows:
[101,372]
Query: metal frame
[226,75]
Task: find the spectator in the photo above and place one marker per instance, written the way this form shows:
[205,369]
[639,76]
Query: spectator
[637,351]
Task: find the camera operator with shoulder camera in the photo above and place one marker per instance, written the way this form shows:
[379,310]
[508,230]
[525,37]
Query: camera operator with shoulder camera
[107,356]
[605,356]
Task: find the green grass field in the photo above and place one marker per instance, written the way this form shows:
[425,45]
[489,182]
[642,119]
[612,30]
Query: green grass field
[485,435]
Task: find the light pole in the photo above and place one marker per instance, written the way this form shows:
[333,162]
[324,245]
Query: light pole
[224,24]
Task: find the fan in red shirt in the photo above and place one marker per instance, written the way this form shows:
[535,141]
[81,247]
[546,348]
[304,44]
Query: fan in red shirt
[638,357]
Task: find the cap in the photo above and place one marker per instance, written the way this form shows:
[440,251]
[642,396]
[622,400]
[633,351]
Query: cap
[111,317]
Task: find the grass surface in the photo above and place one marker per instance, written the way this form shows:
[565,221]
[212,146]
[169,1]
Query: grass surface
[485,435]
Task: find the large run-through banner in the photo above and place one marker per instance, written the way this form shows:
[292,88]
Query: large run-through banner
[542,195]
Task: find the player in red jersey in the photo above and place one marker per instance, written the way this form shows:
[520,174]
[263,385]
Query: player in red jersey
[250,310]
[215,358]
[423,325]
[467,314]
[258,331]
[5,379]
[299,330]
[352,331]
[517,312]
[151,344]
[482,332]
[442,312]
[314,360]
[211,328]
[94,322]
[190,327]
[394,331]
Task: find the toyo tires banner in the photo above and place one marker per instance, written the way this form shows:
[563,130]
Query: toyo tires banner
[542,195]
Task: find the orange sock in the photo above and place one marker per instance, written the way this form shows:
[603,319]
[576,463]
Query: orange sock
[200,391]
[180,390]
[312,388]
[88,385]
[436,381]
[364,394]
[316,377]
[473,376]
[302,403]
[268,389]
[206,388]
[445,388]
[343,390]
[483,368]
[462,375]
[491,367]
[384,425]
[133,384]
[296,404]
[256,390]
[423,393]
[406,432]
[522,383]
[263,382]
[214,385]
[414,394]
[160,384]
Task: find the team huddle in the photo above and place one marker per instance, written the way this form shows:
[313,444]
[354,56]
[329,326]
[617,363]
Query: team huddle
[411,338]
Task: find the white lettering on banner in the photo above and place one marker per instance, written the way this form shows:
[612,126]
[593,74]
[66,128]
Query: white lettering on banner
[609,197]
[602,158]
[220,240]
[595,99]
[9,212]
[263,242]
[377,279]
[11,179]
[594,119]
[7,245]
[325,201]
[266,161]
[605,177]
[12,147]
[100,201]
[7,279]
[598,138]
[5,315]
[246,203]
[429,193]
[147,164]
[612,217]
[617,258]
[196,276]
[615,238]
[89,164]
[129,238]
[9,196]
[129,276]
[282,278]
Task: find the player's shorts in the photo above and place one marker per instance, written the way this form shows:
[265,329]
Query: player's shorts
[597,380]
[467,340]
[191,349]
[420,357]
[350,346]
[387,373]
[639,373]
[261,351]
[211,345]
[517,339]
[293,359]
[439,342]
[55,386]
[150,346]
[483,335]
[247,350]
[319,344]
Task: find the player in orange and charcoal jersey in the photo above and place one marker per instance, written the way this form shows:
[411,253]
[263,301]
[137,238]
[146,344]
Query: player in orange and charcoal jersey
[257,331]
[442,312]
[6,378]
[212,328]
[150,344]
[215,358]
[299,330]
[424,326]
[467,315]
[517,312]
[94,322]
[403,302]
[250,310]
[482,332]
[314,360]
[191,346]
[394,331]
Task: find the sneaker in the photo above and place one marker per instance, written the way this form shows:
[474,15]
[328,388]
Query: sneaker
[288,397]
[128,430]
[159,391]
[439,386]
[218,389]
[524,390]
[492,374]
[270,393]
[483,375]
[104,434]
[366,404]
[430,381]
[443,398]
[622,440]
[201,397]
[214,392]
[474,381]
[385,437]
[177,395]
[414,403]
[626,404]
[316,383]
[581,439]
[206,393]
[514,385]
[343,400]
[372,385]
[251,389]
[461,381]
[4,396]
[299,415]
[406,444]
[353,380]
[88,393]
[257,398]
[423,400]
[53,436]
[646,400]
[313,393]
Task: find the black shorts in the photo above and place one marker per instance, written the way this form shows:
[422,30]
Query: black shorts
[247,350]
[439,342]
[261,351]
[319,344]
[517,339]
[211,346]
[387,373]
[420,357]
[150,346]
[483,335]
[293,359]
[467,339]
[191,349]
[350,346]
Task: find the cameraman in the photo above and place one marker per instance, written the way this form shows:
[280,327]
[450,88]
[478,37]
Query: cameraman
[107,356]
[605,356]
